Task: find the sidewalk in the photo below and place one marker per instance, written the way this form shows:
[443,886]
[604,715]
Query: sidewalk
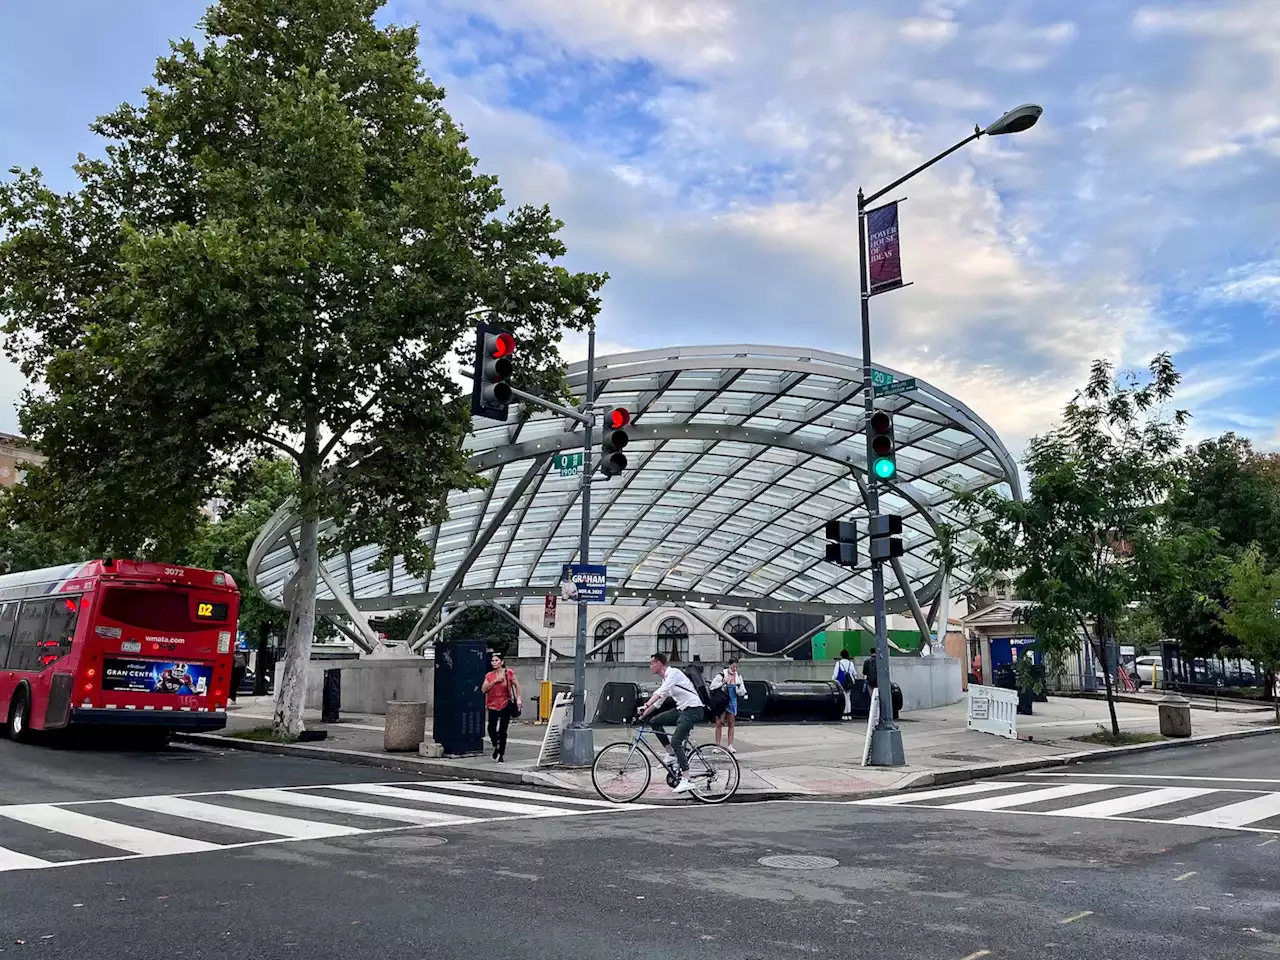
[788,760]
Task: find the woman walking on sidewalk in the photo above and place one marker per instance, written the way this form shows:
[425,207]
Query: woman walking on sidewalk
[502,698]
[729,677]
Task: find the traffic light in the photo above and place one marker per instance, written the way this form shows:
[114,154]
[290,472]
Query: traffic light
[490,392]
[612,460]
[884,453]
[842,543]
[886,537]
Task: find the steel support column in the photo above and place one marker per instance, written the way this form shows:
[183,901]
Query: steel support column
[922,624]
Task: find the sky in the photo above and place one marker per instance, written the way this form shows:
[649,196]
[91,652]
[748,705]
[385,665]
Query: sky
[707,154]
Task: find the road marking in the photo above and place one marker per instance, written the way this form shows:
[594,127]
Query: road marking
[430,796]
[1152,776]
[380,811]
[489,791]
[1267,842]
[1034,796]
[1139,801]
[106,832]
[963,791]
[1186,876]
[1076,916]
[1239,814]
[977,954]
[243,819]
[12,860]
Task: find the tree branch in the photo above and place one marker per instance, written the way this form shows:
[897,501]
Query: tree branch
[339,434]
[278,444]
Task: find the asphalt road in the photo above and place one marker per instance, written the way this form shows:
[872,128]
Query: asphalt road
[912,882]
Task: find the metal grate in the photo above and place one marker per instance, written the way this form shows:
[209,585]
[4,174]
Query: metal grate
[798,862]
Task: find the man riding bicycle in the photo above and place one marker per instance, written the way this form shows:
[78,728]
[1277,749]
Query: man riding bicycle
[687,712]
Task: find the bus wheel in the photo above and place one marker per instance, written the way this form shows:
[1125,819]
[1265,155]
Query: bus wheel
[19,717]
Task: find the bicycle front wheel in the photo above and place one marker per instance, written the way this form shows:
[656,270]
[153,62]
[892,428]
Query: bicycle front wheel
[715,774]
[621,772]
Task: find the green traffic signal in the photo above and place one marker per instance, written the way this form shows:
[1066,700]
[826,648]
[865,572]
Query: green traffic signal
[885,468]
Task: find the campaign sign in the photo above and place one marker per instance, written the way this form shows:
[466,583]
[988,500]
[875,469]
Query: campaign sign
[586,582]
[156,676]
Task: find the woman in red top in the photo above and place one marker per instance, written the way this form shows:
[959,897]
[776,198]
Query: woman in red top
[502,698]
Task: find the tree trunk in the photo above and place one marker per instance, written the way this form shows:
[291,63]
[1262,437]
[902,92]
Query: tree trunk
[291,675]
[1274,678]
[260,675]
[1111,701]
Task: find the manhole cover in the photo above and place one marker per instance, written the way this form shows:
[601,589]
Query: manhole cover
[962,757]
[789,862]
[407,842]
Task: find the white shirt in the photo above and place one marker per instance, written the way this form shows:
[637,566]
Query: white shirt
[679,688]
[721,680]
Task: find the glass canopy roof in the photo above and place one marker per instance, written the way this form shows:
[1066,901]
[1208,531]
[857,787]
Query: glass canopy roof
[739,455]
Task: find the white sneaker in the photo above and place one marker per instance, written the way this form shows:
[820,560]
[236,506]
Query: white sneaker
[731,750]
[684,786]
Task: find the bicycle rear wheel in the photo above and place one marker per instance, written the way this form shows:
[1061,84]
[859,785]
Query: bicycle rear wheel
[621,772]
[715,774]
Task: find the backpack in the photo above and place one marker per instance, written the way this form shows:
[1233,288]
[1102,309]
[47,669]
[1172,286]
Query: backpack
[845,679]
[714,702]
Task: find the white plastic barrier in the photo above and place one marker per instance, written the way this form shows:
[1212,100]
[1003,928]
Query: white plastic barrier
[553,737]
[993,710]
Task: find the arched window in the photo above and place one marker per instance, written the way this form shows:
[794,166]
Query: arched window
[741,630]
[613,651]
[673,639]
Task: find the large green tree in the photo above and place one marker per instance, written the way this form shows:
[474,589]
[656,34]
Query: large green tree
[285,246]
[1252,614]
[1077,545]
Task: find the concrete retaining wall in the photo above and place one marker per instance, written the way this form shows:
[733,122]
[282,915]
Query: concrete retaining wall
[367,685]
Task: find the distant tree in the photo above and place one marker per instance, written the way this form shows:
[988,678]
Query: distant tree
[284,248]
[398,625]
[1076,545]
[1253,590]
[23,546]
[485,623]
[1140,627]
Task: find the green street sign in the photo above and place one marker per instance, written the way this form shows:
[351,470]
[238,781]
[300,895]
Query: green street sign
[569,464]
[880,378]
[894,387]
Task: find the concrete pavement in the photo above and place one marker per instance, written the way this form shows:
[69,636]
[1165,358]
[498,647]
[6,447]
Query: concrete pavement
[806,759]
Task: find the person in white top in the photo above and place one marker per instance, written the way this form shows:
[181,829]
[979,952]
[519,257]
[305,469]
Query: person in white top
[845,674]
[729,677]
[687,712]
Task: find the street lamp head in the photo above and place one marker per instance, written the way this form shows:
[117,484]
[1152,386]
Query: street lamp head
[1016,120]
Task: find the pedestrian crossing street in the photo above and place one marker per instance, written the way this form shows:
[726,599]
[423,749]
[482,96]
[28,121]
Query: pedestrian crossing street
[1222,807]
[41,835]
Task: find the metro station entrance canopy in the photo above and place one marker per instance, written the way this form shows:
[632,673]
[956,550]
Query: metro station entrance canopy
[739,455]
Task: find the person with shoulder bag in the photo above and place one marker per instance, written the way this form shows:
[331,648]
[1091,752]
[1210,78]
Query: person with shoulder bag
[502,700]
[844,674]
[731,680]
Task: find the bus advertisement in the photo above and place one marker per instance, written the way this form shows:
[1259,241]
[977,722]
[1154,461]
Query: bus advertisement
[116,642]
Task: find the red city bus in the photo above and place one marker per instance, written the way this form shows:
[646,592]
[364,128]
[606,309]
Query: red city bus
[116,642]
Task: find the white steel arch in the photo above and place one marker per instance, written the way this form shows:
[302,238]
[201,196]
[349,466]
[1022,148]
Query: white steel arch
[739,455]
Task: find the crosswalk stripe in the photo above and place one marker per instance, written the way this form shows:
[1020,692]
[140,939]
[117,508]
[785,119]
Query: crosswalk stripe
[1236,814]
[381,811]
[1139,801]
[520,794]
[1032,796]
[105,832]
[961,791]
[12,860]
[445,800]
[241,819]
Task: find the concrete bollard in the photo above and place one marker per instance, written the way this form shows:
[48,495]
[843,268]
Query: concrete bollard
[406,725]
[1175,716]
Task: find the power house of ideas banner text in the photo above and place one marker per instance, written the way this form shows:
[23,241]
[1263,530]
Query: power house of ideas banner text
[883,253]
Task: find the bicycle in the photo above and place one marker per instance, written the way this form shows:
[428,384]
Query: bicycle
[622,771]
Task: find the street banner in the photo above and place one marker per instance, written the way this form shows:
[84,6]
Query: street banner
[549,611]
[883,253]
[583,582]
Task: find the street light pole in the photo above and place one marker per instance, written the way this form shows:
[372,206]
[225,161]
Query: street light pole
[577,749]
[886,738]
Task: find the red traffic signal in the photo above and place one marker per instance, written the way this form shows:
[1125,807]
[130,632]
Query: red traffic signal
[618,418]
[612,459]
[503,345]
[490,393]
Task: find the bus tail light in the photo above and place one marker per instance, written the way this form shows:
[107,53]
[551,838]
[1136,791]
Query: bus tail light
[88,688]
[224,641]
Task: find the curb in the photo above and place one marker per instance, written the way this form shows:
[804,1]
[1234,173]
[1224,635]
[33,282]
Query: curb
[445,768]
[533,778]
[986,771]
[1231,704]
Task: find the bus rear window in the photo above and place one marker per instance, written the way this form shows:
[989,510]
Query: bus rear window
[168,611]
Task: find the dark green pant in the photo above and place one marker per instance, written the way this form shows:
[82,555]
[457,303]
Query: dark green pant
[684,721]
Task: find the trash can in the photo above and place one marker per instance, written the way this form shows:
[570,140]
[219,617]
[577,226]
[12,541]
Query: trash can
[1175,716]
[331,696]
[406,725]
[460,666]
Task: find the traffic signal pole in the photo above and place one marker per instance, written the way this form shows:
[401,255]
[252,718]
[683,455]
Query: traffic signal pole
[577,749]
[886,738]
